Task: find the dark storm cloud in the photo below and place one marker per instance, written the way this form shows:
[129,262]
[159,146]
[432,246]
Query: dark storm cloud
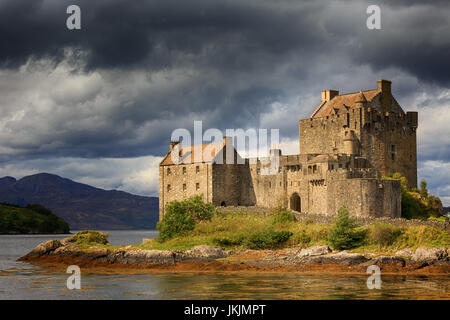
[139,69]
[120,33]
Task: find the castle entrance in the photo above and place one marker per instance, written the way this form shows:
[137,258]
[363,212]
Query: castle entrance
[295,202]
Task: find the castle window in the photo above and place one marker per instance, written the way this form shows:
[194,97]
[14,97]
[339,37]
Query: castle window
[314,168]
[197,169]
[393,152]
[291,183]
[168,171]
[168,188]
[184,170]
[279,169]
[184,187]
[270,184]
[197,186]
[258,171]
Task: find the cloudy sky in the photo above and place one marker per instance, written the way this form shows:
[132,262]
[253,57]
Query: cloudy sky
[98,105]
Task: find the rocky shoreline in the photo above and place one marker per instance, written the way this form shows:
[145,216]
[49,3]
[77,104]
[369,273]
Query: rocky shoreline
[206,258]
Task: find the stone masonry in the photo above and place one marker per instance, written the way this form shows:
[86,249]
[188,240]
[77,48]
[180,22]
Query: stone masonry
[348,144]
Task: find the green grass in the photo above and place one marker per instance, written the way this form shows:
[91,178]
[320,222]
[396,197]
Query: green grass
[90,237]
[230,231]
[14,219]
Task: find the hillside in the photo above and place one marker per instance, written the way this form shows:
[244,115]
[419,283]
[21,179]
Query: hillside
[17,220]
[81,205]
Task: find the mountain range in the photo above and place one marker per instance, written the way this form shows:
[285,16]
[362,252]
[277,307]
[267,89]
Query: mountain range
[81,205]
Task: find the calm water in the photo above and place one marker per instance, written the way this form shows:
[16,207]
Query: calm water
[24,281]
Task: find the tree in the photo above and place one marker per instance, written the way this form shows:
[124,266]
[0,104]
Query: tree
[423,188]
[181,216]
[344,234]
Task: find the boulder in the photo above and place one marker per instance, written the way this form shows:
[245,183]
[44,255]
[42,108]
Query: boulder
[313,251]
[405,253]
[386,260]
[342,257]
[138,256]
[431,254]
[45,248]
[68,240]
[206,252]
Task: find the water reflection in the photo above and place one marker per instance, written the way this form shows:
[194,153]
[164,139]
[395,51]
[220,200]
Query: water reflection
[24,281]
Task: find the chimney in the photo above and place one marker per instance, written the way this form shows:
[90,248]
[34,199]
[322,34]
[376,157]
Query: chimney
[327,95]
[227,140]
[275,152]
[384,86]
[173,144]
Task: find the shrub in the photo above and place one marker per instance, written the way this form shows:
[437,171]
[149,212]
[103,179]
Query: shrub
[344,234]
[182,216]
[384,234]
[90,237]
[282,216]
[229,241]
[417,203]
[266,239]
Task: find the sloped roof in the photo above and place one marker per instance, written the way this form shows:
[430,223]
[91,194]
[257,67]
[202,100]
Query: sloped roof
[187,153]
[334,105]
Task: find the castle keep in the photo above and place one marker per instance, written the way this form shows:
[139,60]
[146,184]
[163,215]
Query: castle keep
[347,145]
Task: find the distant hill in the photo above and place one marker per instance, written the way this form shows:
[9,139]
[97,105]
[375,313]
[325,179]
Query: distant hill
[81,205]
[34,219]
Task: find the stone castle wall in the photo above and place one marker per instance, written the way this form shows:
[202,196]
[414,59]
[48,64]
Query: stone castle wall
[178,182]
[343,157]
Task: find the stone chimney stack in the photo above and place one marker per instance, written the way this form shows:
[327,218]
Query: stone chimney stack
[384,86]
[173,144]
[227,140]
[327,95]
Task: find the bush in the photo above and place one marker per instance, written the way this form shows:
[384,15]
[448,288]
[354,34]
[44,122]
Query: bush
[344,234]
[384,234]
[266,239]
[417,203]
[90,237]
[182,216]
[282,216]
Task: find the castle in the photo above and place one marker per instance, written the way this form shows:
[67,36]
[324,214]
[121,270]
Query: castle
[347,145]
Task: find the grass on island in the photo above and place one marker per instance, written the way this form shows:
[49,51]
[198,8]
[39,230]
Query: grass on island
[237,231]
[192,222]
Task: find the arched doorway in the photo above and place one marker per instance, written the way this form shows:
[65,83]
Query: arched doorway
[295,202]
[223,204]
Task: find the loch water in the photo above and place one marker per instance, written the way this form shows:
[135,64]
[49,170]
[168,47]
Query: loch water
[19,280]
